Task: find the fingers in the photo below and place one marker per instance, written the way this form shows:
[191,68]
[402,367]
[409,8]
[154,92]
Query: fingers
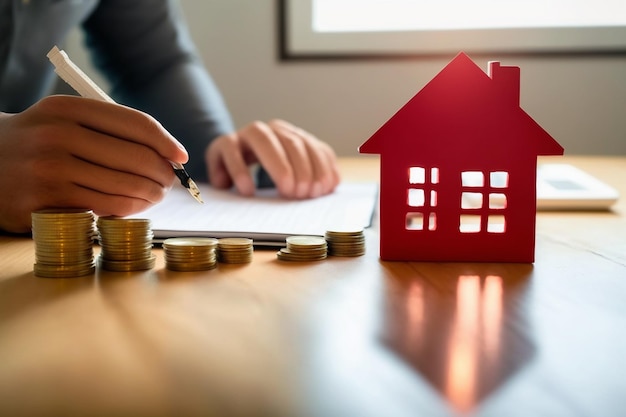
[74,152]
[229,155]
[316,169]
[266,147]
[54,183]
[98,159]
[73,195]
[112,139]
[72,182]
[118,156]
[59,179]
[300,165]
[116,121]
[113,182]
[227,165]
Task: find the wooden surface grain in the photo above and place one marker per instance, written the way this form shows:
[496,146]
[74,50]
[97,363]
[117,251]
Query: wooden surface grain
[339,337]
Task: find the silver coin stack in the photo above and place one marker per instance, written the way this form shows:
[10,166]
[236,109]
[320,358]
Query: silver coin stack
[63,242]
[126,244]
[190,254]
[235,250]
[345,243]
[303,249]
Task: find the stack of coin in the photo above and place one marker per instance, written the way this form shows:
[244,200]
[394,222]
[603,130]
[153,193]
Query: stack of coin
[63,242]
[126,244]
[235,250]
[303,248]
[346,242]
[190,253]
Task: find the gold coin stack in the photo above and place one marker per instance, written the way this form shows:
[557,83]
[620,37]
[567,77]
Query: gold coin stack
[235,250]
[126,244]
[190,254]
[345,243]
[63,243]
[303,249]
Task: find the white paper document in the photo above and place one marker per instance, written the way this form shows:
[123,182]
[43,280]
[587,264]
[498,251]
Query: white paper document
[266,218]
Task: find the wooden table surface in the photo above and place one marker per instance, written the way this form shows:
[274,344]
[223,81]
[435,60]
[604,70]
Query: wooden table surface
[340,337]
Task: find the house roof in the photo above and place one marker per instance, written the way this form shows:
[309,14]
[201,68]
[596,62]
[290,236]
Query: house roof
[460,106]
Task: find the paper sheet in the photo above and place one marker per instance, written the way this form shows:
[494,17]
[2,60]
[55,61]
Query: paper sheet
[266,218]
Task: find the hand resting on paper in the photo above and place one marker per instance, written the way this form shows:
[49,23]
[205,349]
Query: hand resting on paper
[299,164]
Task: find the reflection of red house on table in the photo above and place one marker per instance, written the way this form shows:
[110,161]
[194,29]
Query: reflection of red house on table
[458,169]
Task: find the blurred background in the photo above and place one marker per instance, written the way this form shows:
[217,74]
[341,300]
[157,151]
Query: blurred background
[579,99]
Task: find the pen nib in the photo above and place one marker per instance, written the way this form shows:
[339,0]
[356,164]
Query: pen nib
[194,191]
[187,182]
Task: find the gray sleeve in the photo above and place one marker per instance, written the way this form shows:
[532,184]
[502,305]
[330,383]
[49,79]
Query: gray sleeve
[145,50]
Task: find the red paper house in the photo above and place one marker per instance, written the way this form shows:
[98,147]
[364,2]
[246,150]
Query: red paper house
[458,169]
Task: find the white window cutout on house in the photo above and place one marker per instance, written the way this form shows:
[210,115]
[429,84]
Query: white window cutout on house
[496,224]
[472,179]
[415,221]
[422,197]
[497,201]
[470,223]
[417,175]
[471,200]
[416,197]
[499,179]
[434,175]
[432,221]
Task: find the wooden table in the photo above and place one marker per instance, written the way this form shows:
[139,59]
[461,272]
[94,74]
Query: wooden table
[340,337]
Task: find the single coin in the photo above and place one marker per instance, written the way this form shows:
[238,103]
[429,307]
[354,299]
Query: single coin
[305,241]
[190,241]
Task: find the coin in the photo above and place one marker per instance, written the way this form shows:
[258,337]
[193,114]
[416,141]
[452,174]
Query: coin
[303,248]
[235,250]
[190,253]
[51,271]
[190,242]
[63,242]
[306,241]
[345,242]
[127,265]
[284,254]
[126,244]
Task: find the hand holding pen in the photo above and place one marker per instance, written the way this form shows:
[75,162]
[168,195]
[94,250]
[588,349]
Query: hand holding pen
[73,152]
[80,82]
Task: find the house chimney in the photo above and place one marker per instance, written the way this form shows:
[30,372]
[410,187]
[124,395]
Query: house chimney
[507,81]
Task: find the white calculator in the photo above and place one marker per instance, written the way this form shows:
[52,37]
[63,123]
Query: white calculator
[565,187]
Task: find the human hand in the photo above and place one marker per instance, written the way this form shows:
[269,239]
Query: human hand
[67,151]
[300,165]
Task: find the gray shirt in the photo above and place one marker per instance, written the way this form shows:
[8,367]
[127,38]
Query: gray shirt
[141,46]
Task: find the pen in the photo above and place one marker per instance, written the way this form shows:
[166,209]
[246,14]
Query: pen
[79,81]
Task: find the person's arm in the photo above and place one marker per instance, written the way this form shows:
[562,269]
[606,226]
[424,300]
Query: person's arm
[145,49]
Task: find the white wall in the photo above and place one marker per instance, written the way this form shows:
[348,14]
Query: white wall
[581,101]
